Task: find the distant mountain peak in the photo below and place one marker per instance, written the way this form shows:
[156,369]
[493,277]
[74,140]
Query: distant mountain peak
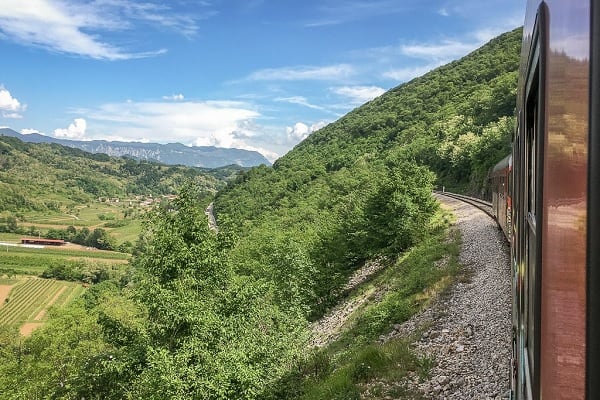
[171,153]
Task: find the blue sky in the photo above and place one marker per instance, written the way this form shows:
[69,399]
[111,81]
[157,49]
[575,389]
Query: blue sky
[253,74]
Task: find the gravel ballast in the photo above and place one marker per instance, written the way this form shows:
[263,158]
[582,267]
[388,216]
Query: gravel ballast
[466,333]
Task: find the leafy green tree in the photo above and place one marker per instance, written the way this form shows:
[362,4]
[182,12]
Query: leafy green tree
[50,363]
[101,239]
[210,334]
[400,206]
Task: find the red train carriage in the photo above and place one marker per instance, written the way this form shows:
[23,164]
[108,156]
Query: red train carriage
[501,200]
[556,193]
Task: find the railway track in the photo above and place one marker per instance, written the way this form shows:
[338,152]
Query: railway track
[483,205]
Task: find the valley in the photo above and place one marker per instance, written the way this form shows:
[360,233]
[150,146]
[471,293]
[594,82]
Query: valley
[175,309]
[97,204]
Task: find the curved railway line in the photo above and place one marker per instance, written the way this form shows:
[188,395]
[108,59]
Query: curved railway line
[483,205]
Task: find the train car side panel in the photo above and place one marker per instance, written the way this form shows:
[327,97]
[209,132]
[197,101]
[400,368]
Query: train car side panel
[550,160]
[550,189]
[563,281]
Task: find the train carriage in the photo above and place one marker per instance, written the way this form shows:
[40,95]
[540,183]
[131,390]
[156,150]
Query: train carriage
[555,192]
[501,201]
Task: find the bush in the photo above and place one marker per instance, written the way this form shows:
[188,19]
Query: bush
[64,271]
[106,217]
[77,272]
[369,363]
[117,223]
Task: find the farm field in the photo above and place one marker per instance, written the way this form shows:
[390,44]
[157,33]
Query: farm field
[25,301]
[33,261]
[122,219]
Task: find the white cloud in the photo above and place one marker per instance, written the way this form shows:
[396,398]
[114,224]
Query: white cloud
[359,94]
[443,12]
[300,73]
[298,132]
[435,52]
[444,50]
[75,131]
[229,124]
[10,106]
[74,27]
[156,14]
[174,97]
[11,115]
[209,123]
[485,35]
[7,102]
[321,124]
[300,100]
[27,131]
[301,131]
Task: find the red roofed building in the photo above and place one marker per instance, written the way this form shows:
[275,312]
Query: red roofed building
[44,242]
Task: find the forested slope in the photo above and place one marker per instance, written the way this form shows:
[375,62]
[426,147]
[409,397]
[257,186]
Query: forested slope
[361,186]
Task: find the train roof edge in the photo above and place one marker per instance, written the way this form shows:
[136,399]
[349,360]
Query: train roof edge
[505,162]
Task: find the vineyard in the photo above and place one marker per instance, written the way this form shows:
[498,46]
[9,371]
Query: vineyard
[30,298]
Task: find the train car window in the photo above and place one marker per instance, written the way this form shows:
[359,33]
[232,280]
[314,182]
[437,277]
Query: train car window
[531,157]
[532,114]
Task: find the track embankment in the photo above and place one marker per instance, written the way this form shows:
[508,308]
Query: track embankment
[466,333]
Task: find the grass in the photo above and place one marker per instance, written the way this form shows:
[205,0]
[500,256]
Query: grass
[26,260]
[358,364]
[127,233]
[10,237]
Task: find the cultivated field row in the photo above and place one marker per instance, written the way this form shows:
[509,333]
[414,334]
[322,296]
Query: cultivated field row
[29,299]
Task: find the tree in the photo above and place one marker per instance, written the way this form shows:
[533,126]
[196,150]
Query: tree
[211,334]
[400,206]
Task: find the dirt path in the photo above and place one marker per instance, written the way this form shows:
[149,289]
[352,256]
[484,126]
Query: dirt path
[4,292]
[27,328]
[328,328]
[212,221]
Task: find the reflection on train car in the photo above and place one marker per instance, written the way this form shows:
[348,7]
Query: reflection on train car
[553,194]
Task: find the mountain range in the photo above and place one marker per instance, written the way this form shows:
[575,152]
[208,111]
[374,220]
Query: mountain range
[171,153]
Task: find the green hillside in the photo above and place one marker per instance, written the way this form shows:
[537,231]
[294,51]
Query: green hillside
[50,177]
[227,316]
[361,186]
[89,199]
